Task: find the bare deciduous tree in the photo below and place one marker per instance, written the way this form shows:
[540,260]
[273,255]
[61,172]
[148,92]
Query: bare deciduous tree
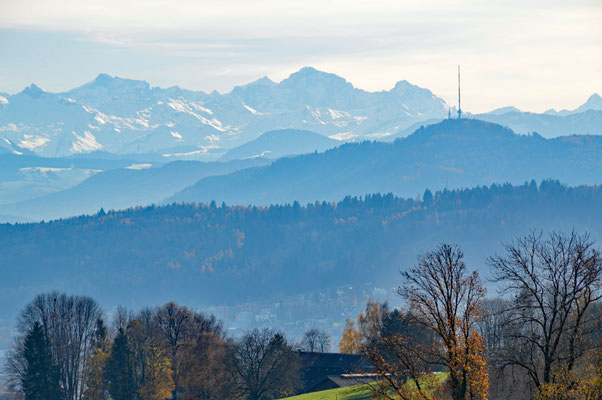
[263,366]
[179,328]
[551,284]
[121,318]
[404,350]
[315,340]
[509,383]
[175,325]
[492,326]
[69,323]
[446,299]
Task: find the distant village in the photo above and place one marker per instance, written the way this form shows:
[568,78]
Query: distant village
[325,310]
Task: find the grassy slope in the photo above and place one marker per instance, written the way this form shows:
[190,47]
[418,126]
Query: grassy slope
[357,392]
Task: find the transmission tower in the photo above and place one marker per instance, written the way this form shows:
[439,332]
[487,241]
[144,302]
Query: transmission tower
[459,103]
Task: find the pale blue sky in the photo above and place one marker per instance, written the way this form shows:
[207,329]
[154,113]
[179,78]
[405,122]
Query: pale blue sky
[532,54]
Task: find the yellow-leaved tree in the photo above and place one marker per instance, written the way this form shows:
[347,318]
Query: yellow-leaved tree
[584,382]
[350,342]
[438,332]
[96,387]
[158,383]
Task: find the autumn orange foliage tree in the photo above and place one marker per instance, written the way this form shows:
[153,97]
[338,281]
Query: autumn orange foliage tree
[439,332]
[350,341]
[369,324]
[400,357]
[205,369]
[445,299]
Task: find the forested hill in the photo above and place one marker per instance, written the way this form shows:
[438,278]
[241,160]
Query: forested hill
[453,153]
[200,254]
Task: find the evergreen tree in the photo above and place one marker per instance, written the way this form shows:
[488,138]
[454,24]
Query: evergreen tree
[427,197]
[42,377]
[100,334]
[119,372]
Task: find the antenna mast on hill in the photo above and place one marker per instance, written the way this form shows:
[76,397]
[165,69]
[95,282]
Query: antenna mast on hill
[459,104]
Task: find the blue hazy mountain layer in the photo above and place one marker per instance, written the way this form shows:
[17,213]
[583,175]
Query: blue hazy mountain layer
[454,154]
[582,123]
[281,143]
[585,122]
[26,176]
[135,185]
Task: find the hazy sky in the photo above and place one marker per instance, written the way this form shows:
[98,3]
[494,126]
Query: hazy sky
[532,54]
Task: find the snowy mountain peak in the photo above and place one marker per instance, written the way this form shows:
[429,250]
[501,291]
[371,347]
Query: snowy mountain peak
[115,82]
[103,79]
[33,90]
[127,116]
[503,110]
[265,81]
[259,84]
[594,102]
[402,85]
[310,74]
[114,95]
[405,88]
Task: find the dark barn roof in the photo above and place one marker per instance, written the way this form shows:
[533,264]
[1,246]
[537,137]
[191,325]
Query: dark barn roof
[345,380]
[316,367]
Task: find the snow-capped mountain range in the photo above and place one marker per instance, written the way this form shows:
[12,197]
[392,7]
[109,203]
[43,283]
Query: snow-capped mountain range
[129,117]
[126,116]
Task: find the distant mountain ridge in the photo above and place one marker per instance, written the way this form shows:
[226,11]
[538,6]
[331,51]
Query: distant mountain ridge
[594,102]
[26,176]
[453,153]
[126,116]
[129,117]
[587,122]
[450,154]
[281,143]
[584,120]
[120,188]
